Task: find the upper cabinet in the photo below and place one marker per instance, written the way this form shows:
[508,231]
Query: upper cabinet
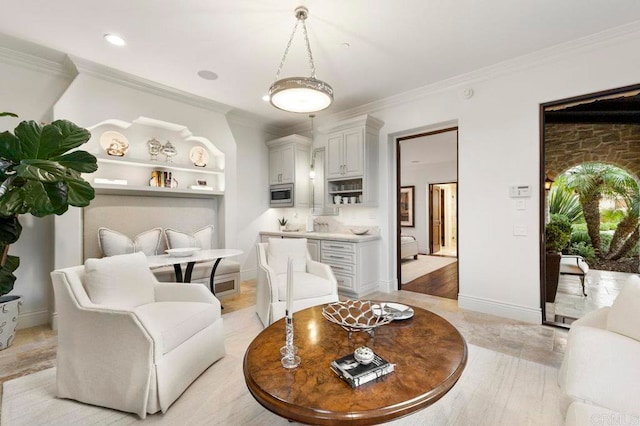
[289,161]
[346,154]
[282,164]
[352,161]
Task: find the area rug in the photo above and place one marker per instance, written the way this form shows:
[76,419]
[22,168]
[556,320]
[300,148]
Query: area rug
[495,389]
[414,268]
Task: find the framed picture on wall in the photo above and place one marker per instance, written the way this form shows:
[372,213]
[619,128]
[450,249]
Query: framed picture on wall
[407,209]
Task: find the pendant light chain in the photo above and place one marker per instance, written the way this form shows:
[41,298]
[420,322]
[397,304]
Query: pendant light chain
[306,38]
[286,51]
[302,17]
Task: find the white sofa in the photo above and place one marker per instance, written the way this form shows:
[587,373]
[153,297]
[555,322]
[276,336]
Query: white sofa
[128,342]
[600,372]
[313,282]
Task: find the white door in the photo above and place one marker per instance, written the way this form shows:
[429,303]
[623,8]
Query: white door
[335,155]
[287,165]
[275,166]
[354,153]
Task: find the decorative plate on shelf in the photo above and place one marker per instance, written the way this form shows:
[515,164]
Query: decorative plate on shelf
[199,156]
[114,143]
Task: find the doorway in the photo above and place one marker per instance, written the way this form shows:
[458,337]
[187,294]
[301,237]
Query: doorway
[589,180]
[443,239]
[427,177]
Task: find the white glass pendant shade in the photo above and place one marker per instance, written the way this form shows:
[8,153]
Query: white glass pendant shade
[300,94]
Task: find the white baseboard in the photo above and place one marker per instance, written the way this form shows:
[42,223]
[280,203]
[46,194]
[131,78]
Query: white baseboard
[502,309]
[248,274]
[388,286]
[33,319]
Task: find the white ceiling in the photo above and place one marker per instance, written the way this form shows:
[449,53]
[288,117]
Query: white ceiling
[395,46]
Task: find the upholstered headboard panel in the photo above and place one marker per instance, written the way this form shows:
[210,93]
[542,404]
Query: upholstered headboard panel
[132,215]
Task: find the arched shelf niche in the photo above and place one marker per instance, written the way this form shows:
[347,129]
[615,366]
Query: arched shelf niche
[132,173]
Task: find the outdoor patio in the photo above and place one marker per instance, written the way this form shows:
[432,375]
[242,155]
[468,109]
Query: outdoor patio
[602,289]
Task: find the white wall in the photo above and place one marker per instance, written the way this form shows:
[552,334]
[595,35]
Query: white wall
[421,176]
[30,92]
[498,147]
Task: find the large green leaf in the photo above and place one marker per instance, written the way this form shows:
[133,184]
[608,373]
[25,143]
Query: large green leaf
[8,114]
[80,193]
[7,279]
[10,148]
[10,229]
[80,161]
[42,170]
[12,202]
[29,134]
[43,199]
[72,136]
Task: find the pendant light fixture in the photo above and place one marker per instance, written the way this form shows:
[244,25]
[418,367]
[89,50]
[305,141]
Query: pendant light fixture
[300,94]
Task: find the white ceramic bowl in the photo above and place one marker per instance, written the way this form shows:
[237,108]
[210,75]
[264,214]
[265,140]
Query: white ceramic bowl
[358,230]
[183,252]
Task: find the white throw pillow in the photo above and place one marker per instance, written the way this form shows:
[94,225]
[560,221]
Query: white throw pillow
[122,281]
[113,243]
[281,249]
[202,238]
[623,316]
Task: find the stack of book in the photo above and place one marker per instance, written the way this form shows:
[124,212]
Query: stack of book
[161,179]
[356,374]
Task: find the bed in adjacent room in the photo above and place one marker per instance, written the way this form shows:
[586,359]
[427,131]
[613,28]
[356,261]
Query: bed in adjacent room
[408,246]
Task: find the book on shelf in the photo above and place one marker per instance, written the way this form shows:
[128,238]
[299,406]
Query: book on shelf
[356,374]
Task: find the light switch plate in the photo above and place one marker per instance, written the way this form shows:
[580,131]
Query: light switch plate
[521,204]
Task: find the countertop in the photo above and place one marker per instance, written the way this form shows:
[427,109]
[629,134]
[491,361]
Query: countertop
[323,236]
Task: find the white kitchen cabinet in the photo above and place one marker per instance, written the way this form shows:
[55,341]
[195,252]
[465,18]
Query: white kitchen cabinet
[352,160]
[281,164]
[346,154]
[355,265]
[289,162]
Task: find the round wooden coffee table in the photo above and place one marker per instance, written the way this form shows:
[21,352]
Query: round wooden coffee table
[429,353]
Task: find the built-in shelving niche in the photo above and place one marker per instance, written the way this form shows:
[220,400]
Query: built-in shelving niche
[136,166]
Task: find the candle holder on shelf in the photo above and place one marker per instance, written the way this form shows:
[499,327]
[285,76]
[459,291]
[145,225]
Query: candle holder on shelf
[289,352]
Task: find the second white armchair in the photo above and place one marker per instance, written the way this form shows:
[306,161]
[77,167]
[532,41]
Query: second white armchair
[313,282]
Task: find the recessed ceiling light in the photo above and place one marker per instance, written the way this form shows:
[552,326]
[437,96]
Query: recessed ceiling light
[114,39]
[208,75]
[415,161]
[345,45]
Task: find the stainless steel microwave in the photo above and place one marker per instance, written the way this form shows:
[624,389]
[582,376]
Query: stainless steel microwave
[281,195]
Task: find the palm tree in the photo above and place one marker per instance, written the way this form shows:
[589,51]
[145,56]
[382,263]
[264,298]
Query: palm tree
[564,201]
[627,234]
[592,181]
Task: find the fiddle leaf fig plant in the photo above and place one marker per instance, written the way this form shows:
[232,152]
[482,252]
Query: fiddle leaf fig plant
[40,174]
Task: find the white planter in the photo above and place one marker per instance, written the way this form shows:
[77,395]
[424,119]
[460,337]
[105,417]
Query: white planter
[9,312]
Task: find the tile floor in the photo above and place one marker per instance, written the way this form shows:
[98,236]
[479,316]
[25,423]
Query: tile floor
[602,289]
[34,348]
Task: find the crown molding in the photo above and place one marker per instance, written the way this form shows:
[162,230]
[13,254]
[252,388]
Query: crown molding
[247,119]
[33,62]
[510,66]
[84,66]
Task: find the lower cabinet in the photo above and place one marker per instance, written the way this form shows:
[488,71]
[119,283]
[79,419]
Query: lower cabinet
[354,264]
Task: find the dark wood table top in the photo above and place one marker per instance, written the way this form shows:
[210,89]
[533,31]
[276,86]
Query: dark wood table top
[429,353]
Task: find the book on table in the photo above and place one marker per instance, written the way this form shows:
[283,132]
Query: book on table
[357,374]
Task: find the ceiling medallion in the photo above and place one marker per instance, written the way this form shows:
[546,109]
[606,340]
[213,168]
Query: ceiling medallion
[300,94]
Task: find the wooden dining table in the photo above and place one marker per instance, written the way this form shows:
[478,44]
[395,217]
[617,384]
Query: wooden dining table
[428,352]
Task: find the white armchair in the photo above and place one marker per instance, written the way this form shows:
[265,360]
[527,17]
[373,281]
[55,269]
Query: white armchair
[600,372]
[128,342]
[313,282]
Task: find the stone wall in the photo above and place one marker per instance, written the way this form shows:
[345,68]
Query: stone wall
[568,145]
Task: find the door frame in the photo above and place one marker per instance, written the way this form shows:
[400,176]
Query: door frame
[399,184]
[542,177]
[430,201]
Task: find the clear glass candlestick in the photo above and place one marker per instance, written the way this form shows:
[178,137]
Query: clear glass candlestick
[290,359]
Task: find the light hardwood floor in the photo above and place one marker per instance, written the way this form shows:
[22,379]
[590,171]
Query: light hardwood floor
[34,349]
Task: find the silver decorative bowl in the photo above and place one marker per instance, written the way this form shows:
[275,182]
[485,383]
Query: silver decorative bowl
[356,315]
